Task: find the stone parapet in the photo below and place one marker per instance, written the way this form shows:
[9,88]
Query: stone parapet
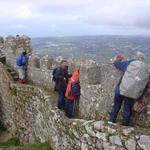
[98,81]
[30,115]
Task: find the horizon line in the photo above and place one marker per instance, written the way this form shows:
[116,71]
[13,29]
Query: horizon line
[90,35]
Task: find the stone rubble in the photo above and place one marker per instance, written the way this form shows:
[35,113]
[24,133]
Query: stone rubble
[144,142]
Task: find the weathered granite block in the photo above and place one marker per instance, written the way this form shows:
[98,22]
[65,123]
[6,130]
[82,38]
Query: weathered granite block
[1,42]
[34,61]
[94,75]
[46,62]
[3,59]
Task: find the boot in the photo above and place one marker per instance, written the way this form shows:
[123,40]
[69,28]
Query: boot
[20,81]
[23,81]
[126,122]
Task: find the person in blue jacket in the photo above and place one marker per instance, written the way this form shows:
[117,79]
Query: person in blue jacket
[21,62]
[122,65]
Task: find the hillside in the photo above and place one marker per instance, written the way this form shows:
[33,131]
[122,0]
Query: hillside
[99,48]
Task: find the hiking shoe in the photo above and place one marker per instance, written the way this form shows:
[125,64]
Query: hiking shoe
[23,81]
[112,123]
[127,124]
[20,81]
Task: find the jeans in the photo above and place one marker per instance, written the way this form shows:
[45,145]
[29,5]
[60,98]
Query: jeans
[21,72]
[69,108]
[61,101]
[127,110]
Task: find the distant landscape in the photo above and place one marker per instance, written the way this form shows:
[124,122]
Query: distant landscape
[98,48]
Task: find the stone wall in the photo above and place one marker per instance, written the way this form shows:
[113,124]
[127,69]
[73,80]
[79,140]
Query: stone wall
[2,57]
[98,81]
[13,46]
[98,97]
[1,42]
[28,113]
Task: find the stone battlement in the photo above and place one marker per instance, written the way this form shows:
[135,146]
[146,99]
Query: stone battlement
[28,113]
[97,80]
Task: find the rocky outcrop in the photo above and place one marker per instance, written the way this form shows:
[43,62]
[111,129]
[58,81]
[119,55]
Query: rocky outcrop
[29,114]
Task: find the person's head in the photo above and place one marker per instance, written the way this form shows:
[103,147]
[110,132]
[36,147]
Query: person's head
[140,56]
[120,57]
[24,53]
[76,74]
[64,64]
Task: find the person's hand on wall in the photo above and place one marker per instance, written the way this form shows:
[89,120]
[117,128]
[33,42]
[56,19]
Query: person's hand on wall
[29,54]
[119,57]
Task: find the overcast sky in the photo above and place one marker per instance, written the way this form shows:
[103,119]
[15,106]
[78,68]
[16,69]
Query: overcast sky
[38,18]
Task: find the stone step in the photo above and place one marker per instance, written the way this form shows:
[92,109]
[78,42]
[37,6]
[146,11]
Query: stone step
[9,69]
[2,56]
[15,78]
[13,73]
[3,59]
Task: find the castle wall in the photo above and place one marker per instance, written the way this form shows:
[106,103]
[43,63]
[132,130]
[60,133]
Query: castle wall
[29,114]
[97,81]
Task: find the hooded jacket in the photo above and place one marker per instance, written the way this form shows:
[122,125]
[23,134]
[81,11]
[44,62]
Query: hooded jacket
[73,87]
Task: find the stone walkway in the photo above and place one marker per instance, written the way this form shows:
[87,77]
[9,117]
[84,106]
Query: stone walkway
[13,73]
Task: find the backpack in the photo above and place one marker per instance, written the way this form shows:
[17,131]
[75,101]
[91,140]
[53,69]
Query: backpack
[19,61]
[53,74]
[75,89]
[134,80]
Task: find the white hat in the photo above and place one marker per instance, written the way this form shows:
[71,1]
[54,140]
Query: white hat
[140,56]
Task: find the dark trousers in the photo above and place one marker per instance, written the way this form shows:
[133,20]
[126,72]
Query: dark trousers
[72,108]
[61,101]
[127,110]
[69,108]
[76,108]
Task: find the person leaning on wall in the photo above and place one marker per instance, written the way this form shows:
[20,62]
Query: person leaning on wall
[131,85]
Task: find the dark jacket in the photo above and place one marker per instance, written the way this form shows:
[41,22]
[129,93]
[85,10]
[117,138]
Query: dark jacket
[122,66]
[61,77]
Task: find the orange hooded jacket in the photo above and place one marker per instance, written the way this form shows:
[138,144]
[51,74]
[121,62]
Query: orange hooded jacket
[75,77]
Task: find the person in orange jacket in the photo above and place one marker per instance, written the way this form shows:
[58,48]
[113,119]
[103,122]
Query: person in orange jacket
[72,95]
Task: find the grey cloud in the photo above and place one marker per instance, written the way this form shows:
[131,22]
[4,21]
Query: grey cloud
[99,12]
[131,13]
[123,13]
